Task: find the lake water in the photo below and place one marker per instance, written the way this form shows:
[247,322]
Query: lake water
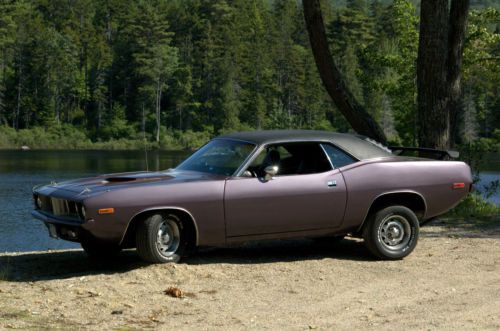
[20,171]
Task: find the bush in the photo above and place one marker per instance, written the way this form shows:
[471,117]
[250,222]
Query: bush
[117,129]
[193,140]
[475,205]
[7,137]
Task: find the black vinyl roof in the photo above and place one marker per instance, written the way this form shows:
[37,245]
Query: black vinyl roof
[358,146]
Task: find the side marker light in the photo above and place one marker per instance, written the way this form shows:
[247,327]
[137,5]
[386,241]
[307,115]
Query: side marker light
[106,211]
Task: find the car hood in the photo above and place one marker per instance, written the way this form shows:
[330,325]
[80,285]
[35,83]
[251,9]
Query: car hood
[110,182]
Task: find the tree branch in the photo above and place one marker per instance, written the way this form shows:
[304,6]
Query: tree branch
[360,120]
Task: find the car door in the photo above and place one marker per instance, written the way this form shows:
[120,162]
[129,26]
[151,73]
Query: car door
[295,201]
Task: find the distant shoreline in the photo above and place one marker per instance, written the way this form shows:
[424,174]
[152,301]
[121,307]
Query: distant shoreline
[96,148]
[67,137]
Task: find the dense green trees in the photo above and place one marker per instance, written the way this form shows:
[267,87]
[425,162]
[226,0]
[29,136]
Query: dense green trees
[180,71]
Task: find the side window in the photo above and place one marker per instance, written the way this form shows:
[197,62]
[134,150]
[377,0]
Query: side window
[338,157]
[291,159]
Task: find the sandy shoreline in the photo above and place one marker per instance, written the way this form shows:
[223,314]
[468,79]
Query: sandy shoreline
[451,280]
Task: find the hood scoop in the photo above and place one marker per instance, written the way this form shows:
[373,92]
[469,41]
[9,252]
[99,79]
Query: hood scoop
[136,178]
[120,179]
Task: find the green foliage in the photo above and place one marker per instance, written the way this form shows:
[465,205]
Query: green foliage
[476,206]
[56,137]
[107,74]
[476,203]
[481,73]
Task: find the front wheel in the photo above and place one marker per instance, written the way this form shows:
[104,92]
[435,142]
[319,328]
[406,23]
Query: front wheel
[160,239]
[391,233]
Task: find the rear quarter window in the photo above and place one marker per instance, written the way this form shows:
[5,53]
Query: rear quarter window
[338,157]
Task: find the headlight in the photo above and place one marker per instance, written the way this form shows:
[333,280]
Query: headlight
[81,212]
[38,202]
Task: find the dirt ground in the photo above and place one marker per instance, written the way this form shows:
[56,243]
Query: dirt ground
[451,281]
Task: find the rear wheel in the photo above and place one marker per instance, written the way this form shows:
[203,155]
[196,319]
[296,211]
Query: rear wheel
[391,233]
[161,238]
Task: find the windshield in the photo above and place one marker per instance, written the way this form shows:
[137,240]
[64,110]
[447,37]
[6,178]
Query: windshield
[219,156]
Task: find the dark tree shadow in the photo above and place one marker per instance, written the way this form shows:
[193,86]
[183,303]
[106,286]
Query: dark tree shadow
[488,227]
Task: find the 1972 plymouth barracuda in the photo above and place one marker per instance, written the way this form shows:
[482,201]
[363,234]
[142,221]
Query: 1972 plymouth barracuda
[258,185]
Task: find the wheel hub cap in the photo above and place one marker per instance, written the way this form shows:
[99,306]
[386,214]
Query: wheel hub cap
[394,232]
[168,238]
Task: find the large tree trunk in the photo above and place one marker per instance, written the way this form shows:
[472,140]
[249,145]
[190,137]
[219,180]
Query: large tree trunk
[442,34]
[456,38]
[356,115]
[17,112]
[157,109]
[433,96]
[2,87]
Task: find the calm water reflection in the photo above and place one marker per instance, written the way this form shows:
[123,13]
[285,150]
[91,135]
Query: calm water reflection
[20,171]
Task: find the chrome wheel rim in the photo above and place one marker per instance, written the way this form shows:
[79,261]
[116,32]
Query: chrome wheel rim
[394,232]
[168,238]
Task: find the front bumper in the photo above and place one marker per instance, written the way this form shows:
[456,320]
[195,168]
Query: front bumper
[62,228]
[73,229]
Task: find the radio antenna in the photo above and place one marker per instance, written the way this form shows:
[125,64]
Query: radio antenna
[144,138]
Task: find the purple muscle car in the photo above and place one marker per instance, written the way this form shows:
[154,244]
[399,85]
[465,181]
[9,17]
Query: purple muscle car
[258,185]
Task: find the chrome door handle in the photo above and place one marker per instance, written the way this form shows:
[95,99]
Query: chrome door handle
[331,183]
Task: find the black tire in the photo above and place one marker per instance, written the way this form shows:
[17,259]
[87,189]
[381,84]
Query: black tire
[98,250]
[161,238]
[391,233]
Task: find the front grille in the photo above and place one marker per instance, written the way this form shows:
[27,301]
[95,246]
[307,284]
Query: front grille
[59,207]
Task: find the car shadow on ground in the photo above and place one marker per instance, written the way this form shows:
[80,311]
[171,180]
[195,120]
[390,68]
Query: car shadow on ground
[283,251]
[40,266]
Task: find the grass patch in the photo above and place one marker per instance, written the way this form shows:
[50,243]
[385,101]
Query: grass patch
[15,314]
[477,207]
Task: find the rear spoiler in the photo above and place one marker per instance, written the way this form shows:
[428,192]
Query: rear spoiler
[430,153]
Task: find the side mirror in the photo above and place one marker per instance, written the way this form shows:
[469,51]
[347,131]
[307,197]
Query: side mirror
[270,171]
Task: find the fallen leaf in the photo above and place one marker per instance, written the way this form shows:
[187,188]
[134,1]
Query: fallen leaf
[117,312]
